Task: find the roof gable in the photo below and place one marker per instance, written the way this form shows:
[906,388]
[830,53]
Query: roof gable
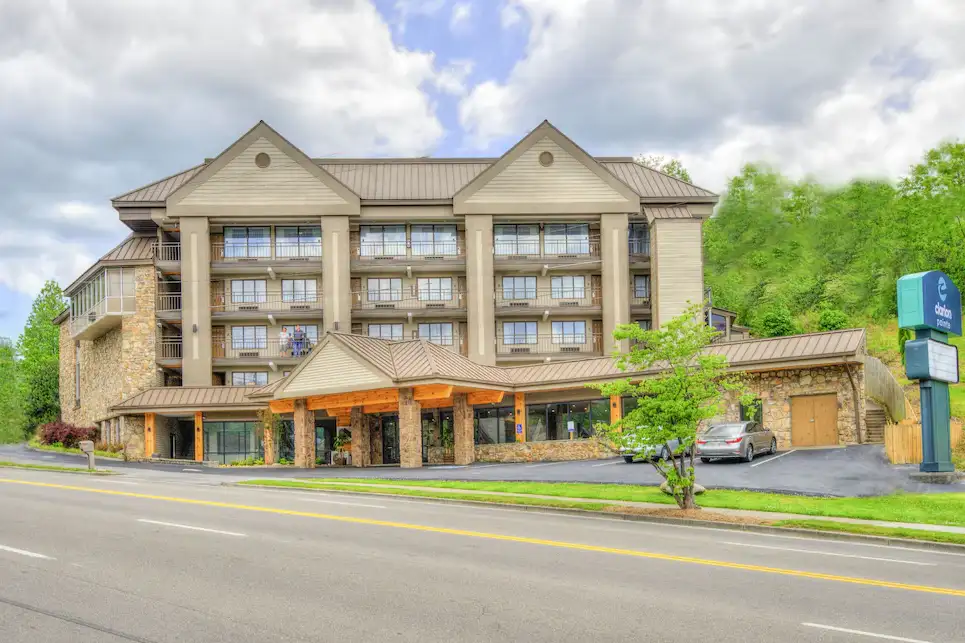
[237,183]
[336,368]
[522,182]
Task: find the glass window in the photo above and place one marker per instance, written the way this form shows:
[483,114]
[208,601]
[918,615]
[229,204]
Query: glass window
[251,242]
[514,239]
[641,286]
[440,333]
[227,442]
[753,411]
[519,287]
[519,333]
[639,239]
[566,238]
[719,322]
[568,287]
[566,420]
[310,332]
[298,241]
[249,337]
[435,288]
[569,332]
[430,239]
[249,378]
[248,291]
[384,289]
[494,425]
[382,240]
[645,324]
[386,331]
[299,290]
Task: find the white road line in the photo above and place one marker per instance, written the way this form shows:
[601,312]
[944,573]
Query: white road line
[545,464]
[118,481]
[174,524]
[193,470]
[606,464]
[757,464]
[845,630]
[24,552]
[338,502]
[854,543]
[828,553]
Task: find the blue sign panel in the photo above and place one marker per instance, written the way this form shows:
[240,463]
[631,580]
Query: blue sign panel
[930,300]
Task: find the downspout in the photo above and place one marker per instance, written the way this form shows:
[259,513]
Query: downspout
[857,406]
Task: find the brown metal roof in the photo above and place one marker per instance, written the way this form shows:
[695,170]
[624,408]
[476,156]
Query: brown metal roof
[667,212]
[188,397]
[133,248]
[158,191]
[652,183]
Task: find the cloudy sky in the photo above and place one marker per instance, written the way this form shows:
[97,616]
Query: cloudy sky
[98,97]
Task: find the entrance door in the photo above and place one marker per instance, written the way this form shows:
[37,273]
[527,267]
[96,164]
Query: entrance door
[390,439]
[814,420]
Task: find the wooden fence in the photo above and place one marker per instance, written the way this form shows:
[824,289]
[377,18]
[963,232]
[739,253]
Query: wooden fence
[880,384]
[903,441]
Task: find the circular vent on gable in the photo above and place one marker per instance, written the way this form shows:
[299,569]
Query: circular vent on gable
[262,160]
[546,159]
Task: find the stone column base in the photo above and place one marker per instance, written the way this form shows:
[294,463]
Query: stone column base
[410,430]
[304,435]
[464,450]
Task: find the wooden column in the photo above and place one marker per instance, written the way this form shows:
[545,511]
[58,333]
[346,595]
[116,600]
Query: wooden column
[519,400]
[616,408]
[361,438]
[304,435]
[150,433]
[464,449]
[410,430]
[198,436]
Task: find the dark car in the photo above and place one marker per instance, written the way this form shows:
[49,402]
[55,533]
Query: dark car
[741,440]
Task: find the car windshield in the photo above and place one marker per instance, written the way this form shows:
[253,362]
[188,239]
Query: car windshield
[725,430]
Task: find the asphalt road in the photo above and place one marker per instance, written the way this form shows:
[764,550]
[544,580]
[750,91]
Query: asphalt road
[126,559]
[850,471]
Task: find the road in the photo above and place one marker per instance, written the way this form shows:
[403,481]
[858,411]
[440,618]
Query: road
[127,559]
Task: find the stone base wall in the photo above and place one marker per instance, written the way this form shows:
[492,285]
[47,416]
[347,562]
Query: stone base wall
[132,436]
[551,450]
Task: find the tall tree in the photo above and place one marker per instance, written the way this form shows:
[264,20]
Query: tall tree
[11,421]
[39,351]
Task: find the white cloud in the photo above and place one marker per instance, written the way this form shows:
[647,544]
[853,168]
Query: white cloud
[818,87]
[461,14]
[452,78]
[407,9]
[510,14]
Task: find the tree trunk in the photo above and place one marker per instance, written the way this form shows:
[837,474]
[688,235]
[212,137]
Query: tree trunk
[687,499]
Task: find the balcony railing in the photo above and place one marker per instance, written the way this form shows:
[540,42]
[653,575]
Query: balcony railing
[265,303]
[101,316]
[168,251]
[507,249]
[169,349]
[549,344]
[408,250]
[262,349]
[528,298]
[266,250]
[408,299]
[640,247]
[638,301]
[169,302]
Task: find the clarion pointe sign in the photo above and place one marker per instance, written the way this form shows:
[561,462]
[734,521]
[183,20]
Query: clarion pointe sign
[931,305]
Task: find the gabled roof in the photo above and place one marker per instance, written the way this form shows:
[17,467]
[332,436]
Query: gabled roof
[134,250]
[189,398]
[158,191]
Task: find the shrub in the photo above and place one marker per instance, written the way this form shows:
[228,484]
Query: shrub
[832,319]
[777,322]
[66,434]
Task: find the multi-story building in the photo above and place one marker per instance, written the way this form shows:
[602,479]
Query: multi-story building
[236,269]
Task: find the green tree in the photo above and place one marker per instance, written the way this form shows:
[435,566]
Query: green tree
[672,167]
[687,390]
[832,319]
[39,351]
[11,422]
[776,322]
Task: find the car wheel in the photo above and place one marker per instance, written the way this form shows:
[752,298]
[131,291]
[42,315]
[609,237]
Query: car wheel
[628,459]
[665,454]
[705,460]
[749,454]
[773,446]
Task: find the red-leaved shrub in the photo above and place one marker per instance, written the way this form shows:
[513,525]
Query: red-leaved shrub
[66,434]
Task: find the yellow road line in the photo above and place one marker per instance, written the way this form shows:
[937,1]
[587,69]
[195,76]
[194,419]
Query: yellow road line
[516,539]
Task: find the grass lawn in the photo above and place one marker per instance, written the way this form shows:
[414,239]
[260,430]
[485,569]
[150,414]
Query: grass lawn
[873,530]
[52,467]
[934,509]
[58,448]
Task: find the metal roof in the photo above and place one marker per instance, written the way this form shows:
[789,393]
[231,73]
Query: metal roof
[133,250]
[668,212]
[188,397]
[649,183]
[158,191]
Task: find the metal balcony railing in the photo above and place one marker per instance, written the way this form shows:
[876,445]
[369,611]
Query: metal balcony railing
[504,249]
[268,303]
[408,299]
[266,250]
[262,349]
[523,298]
[108,306]
[549,344]
[638,301]
[168,251]
[640,247]
[169,349]
[415,250]
[169,302]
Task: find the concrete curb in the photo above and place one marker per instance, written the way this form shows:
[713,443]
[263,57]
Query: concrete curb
[685,522]
[73,455]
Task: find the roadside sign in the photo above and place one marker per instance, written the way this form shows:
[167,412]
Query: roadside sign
[571,426]
[926,359]
[929,300]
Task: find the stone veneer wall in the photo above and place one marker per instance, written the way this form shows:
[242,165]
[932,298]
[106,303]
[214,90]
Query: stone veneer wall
[550,450]
[776,388]
[132,436]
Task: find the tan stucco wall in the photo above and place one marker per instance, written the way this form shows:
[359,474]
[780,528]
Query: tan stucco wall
[196,301]
[336,272]
[616,269]
[479,281]
[677,279]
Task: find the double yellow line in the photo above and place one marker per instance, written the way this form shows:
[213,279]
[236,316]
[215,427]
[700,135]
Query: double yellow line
[516,539]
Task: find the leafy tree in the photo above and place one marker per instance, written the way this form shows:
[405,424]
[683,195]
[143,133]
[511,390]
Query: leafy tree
[672,167]
[671,404]
[832,319]
[776,322]
[11,422]
[39,351]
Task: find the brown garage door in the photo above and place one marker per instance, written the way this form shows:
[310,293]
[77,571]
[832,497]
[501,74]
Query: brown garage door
[814,420]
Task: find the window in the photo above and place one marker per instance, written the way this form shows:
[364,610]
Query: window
[434,240]
[299,290]
[386,331]
[641,286]
[639,239]
[298,241]
[286,373]
[435,288]
[569,332]
[77,374]
[249,337]
[440,333]
[297,340]
[241,242]
[719,322]
[249,378]
[567,239]
[494,425]
[560,421]
[248,291]
[382,240]
[519,333]
[753,412]
[519,287]
[568,287]
[384,289]
[644,324]
[228,442]
[512,239]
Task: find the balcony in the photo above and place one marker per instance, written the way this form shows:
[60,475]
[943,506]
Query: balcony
[527,302]
[639,304]
[167,252]
[102,317]
[262,305]
[168,306]
[254,256]
[260,352]
[169,352]
[424,303]
[530,250]
[542,346]
[418,255]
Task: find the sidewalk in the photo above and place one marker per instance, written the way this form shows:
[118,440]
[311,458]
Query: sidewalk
[762,515]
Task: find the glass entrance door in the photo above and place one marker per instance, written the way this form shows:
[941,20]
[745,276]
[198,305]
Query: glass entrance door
[390,439]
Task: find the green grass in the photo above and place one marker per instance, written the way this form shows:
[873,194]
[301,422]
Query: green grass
[58,448]
[874,530]
[52,467]
[934,509]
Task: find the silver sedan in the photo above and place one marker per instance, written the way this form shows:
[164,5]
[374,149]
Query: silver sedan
[741,440]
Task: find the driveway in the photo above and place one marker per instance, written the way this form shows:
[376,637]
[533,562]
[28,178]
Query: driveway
[850,471]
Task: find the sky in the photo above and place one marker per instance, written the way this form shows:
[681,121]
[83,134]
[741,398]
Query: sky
[98,97]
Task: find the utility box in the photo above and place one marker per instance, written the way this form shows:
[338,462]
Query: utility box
[86,446]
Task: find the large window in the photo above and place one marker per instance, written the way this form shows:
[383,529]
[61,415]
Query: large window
[248,291]
[382,240]
[109,291]
[249,378]
[567,238]
[440,333]
[249,337]
[435,288]
[519,287]
[565,421]
[641,286]
[519,332]
[428,239]
[568,287]
[639,239]
[569,332]
[298,241]
[494,425]
[513,239]
[386,331]
[228,442]
[644,324]
[719,322]
[299,290]
[241,242]
[384,289]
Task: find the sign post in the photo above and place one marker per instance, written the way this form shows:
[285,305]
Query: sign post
[931,305]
